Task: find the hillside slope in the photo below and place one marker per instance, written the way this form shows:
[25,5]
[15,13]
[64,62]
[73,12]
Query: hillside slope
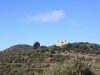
[19,47]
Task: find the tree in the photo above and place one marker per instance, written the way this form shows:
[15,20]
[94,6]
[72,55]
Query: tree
[36,45]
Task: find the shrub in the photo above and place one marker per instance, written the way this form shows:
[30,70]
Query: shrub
[70,67]
[17,65]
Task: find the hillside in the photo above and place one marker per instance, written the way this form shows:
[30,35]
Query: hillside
[23,59]
[19,47]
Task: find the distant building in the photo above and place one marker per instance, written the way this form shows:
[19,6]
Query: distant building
[61,43]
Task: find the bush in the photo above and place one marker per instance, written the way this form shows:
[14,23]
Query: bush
[17,65]
[70,67]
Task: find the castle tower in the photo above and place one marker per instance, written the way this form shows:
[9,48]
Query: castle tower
[64,42]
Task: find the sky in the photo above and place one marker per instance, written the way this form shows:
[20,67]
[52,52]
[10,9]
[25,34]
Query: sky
[48,21]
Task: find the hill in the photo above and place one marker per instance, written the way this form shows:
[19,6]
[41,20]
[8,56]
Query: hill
[19,47]
[23,59]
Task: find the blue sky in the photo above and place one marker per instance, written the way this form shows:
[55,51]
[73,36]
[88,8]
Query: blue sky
[48,21]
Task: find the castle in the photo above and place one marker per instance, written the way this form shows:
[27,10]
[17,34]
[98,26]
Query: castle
[61,43]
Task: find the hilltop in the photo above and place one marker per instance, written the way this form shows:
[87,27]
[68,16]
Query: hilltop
[77,47]
[19,47]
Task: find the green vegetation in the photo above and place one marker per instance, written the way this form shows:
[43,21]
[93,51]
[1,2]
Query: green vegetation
[36,45]
[71,59]
[70,67]
[82,48]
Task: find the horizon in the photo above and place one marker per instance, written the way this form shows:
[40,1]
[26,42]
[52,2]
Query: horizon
[25,22]
[48,45]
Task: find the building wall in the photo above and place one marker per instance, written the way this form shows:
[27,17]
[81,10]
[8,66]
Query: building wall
[61,43]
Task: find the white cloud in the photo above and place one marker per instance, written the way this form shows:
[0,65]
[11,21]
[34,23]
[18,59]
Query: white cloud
[48,17]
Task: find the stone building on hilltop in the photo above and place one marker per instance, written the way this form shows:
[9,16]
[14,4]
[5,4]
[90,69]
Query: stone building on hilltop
[61,43]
